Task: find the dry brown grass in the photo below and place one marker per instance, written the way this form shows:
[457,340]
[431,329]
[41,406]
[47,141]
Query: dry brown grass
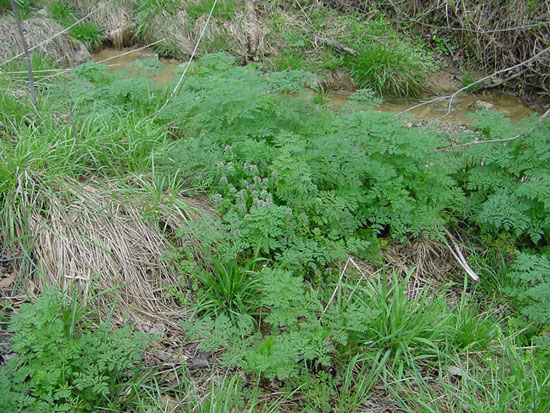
[244,36]
[115,17]
[94,236]
[430,261]
[60,49]
[492,34]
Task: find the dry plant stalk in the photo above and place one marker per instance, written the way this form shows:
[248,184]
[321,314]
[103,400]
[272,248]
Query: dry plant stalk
[26,51]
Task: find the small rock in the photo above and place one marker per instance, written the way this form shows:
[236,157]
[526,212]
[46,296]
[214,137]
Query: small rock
[157,329]
[81,54]
[151,55]
[456,371]
[481,104]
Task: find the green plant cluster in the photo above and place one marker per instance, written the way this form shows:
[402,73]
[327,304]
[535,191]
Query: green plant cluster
[24,7]
[224,9]
[385,62]
[508,184]
[87,32]
[297,188]
[287,174]
[382,60]
[61,363]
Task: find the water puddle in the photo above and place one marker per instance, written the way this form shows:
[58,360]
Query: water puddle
[464,104]
[118,59]
[511,106]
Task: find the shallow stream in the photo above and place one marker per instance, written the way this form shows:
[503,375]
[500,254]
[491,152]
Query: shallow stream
[464,104]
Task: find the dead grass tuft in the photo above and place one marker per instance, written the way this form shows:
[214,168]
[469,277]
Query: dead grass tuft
[61,48]
[244,36]
[114,17]
[93,236]
[431,260]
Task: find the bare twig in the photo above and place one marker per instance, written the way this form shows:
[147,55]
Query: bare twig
[336,45]
[131,51]
[26,52]
[180,81]
[521,135]
[501,82]
[462,89]
[457,254]
[65,30]
[464,145]
[337,286]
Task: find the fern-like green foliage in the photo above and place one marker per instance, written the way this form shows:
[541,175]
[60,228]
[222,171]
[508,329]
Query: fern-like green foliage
[508,184]
[94,90]
[531,276]
[300,332]
[60,365]
[285,172]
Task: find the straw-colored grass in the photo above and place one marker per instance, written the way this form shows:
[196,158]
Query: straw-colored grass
[60,49]
[95,236]
[243,35]
[112,16]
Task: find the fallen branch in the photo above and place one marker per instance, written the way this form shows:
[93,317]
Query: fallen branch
[26,52]
[457,254]
[521,135]
[501,82]
[336,45]
[337,286]
[462,89]
[464,145]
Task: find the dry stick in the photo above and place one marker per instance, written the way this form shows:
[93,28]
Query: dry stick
[464,145]
[501,82]
[453,96]
[457,254]
[62,71]
[190,59]
[339,46]
[337,285]
[57,34]
[17,72]
[521,135]
[26,53]
[131,51]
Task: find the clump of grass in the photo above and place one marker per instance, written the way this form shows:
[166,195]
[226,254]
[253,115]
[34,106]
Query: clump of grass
[24,7]
[408,329]
[146,10]
[61,11]
[224,9]
[88,33]
[467,80]
[229,288]
[390,68]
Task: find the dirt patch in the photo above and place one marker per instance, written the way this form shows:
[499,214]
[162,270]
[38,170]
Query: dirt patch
[338,80]
[60,49]
[443,82]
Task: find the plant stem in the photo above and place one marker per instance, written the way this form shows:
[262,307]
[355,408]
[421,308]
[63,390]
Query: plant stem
[27,54]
